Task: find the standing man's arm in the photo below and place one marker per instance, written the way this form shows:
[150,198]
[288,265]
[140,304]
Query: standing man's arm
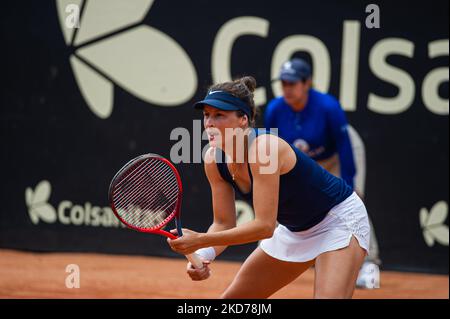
[338,124]
[270,116]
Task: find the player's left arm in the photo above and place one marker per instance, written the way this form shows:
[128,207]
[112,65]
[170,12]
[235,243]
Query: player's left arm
[339,128]
[265,166]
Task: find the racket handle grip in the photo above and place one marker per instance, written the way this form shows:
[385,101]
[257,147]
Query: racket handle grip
[195,260]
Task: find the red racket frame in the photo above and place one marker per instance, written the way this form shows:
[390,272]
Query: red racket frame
[177,211]
[193,258]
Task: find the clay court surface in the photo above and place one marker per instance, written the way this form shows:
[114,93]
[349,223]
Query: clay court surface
[43,275]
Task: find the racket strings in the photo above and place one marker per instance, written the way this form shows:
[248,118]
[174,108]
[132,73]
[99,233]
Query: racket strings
[151,214]
[147,194]
[162,181]
[155,196]
[146,187]
[136,178]
[167,206]
[136,168]
[139,184]
[160,214]
[155,212]
[150,187]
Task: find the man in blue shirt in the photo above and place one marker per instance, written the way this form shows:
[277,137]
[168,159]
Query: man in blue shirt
[316,124]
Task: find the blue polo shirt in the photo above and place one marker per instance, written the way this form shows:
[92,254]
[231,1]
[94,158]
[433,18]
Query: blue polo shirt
[321,125]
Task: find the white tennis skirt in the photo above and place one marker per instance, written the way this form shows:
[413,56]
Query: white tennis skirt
[335,231]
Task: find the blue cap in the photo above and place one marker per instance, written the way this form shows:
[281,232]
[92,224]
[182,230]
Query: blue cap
[224,101]
[295,70]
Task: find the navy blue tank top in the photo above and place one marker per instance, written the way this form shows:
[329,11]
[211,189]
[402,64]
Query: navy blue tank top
[307,192]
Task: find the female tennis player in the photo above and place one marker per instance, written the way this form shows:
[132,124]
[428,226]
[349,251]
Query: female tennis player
[315,123]
[322,222]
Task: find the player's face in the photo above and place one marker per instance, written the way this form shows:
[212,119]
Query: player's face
[216,122]
[295,92]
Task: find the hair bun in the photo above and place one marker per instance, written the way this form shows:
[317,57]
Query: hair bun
[249,82]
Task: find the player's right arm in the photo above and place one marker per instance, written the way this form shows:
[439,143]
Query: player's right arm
[224,210]
[223,200]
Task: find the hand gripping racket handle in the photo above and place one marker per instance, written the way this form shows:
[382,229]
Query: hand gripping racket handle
[195,260]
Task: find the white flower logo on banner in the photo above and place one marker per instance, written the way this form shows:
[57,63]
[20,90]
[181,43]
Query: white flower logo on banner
[244,212]
[37,202]
[113,47]
[432,223]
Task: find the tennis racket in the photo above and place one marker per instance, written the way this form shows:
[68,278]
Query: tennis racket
[145,195]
